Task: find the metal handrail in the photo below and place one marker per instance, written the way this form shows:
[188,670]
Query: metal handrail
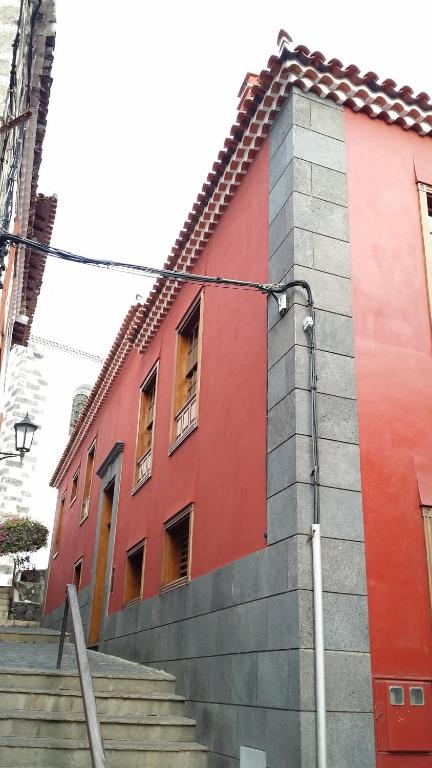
[92,721]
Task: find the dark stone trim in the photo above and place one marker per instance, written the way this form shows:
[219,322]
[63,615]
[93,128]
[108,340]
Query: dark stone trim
[115,451]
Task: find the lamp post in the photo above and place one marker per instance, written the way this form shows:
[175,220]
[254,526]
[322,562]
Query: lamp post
[24,434]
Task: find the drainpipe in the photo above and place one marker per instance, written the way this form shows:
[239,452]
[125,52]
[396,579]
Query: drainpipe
[309,328]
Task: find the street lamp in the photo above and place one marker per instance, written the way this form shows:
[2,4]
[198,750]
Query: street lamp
[24,434]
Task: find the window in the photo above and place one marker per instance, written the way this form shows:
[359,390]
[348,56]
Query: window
[177,550]
[146,420]
[134,573]
[396,695]
[77,573]
[417,697]
[59,525]
[74,489]
[187,373]
[425,193]
[88,482]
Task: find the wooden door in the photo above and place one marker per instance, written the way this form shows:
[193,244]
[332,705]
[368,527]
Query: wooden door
[101,566]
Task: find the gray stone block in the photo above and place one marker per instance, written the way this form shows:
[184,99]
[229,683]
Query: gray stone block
[278,163]
[281,192]
[330,292]
[252,727]
[222,587]
[199,680]
[300,108]
[337,417]
[281,423]
[329,185]
[282,515]
[339,465]
[350,740]
[206,626]
[348,681]
[244,679]
[273,680]
[341,514]
[224,733]
[281,225]
[283,739]
[336,373]
[313,214]
[281,126]
[281,379]
[127,619]
[219,672]
[296,176]
[331,255]
[345,622]
[283,259]
[149,613]
[188,638]
[245,579]
[221,761]
[273,569]
[324,118]
[319,149]
[202,593]
[343,566]
[334,333]
[281,467]
[242,629]
[283,621]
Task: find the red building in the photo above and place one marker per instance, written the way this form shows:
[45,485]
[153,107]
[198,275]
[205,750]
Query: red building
[186,490]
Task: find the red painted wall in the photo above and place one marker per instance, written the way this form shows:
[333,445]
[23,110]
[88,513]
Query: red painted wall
[394,377]
[221,465]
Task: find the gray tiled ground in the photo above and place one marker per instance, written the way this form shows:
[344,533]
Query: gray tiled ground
[43,656]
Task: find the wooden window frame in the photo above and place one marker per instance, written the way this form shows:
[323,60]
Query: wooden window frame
[184,418]
[74,486]
[59,524]
[425,192]
[166,583]
[85,506]
[78,563]
[140,546]
[147,456]
[427,527]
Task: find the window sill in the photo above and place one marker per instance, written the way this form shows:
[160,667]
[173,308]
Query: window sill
[174,584]
[134,601]
[182,437]
[72,501]
[139,485]
[54,556]
[83,519]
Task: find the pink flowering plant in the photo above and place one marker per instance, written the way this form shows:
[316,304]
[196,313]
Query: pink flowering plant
[21,534]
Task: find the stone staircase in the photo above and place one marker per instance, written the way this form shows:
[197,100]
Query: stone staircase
[41,711]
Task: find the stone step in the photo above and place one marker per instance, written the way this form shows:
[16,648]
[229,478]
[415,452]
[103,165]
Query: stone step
[107,702]
[23,631]
[145,680]
[5,622]
[71,725]
[19,751]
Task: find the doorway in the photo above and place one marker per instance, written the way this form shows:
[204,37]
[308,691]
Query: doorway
[101,565]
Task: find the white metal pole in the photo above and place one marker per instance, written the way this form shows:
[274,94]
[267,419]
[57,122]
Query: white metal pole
[319,648]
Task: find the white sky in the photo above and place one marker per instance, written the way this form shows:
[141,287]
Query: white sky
[143,96]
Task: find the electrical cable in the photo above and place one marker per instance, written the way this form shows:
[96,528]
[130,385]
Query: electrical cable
[271,289]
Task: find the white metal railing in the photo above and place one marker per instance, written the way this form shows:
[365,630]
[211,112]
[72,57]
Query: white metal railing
[144,466]
[186,417]
[85,509]
[89,701]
